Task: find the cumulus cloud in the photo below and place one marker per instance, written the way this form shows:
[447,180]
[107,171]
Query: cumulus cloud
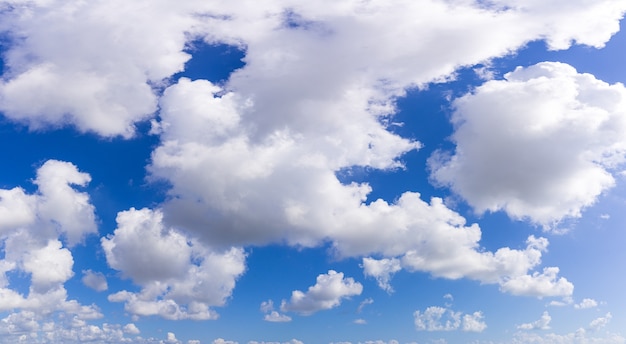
[539,144]
[131,329]
[274,316]
[436,318]
[180,277]
[327,293]
[36,231]
[95,280]
[382,270]
[255,161]
[586,303]
[600,322]
[230,189]
[538,284]
[542,324]
[97,73]
[31,327]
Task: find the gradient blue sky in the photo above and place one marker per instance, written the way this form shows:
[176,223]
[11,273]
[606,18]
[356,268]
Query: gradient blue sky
[336,172]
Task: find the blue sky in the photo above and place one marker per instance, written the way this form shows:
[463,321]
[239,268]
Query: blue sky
[331,172]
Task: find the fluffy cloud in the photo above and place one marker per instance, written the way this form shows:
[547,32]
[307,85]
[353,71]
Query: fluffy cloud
[539,284]
[180,277]
[542,324]
[271,315]
[131,329]
[35,230]
[95,280]
[274,316]
[539,144]
[91,64]
[586,303]
[327,293]
[382,270]
[100,72]
[436,318]
[230,187]
[600,322]
[31,327]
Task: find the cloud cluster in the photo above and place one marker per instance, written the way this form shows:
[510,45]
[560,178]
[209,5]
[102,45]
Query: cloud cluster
[436,318]
[36,231]
[230,190]
[541,144]
[255,161]
[180,277]
[30,327]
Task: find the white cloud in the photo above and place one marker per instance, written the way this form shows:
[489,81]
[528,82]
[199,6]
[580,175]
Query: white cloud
[558,135]
[360,321]
[180,277]
[94,280]
[578,336]
[600,322]
[539,284]
[222,341]
[327,293]
[267,306]
[542,324]
[382,270]
[473,322]
[586,303]
[436,318]
[35,230]
[256,161]
[131,329]
[30,327]
[364,303]
[95,73]
[274,316]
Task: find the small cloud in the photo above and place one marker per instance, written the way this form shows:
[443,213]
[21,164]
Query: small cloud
[327,293]
[131,329]
[274,316]
[360,321]
[586,303]
[364,303]
[267,306]
[444,319]
[605,216]
[95,280]
[382,270]
[542,324]
[599,323]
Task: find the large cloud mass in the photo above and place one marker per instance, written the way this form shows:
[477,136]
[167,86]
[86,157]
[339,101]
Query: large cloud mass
[94,64]
[540,144]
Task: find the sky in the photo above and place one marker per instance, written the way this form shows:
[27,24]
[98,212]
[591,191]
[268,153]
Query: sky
[282,171]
